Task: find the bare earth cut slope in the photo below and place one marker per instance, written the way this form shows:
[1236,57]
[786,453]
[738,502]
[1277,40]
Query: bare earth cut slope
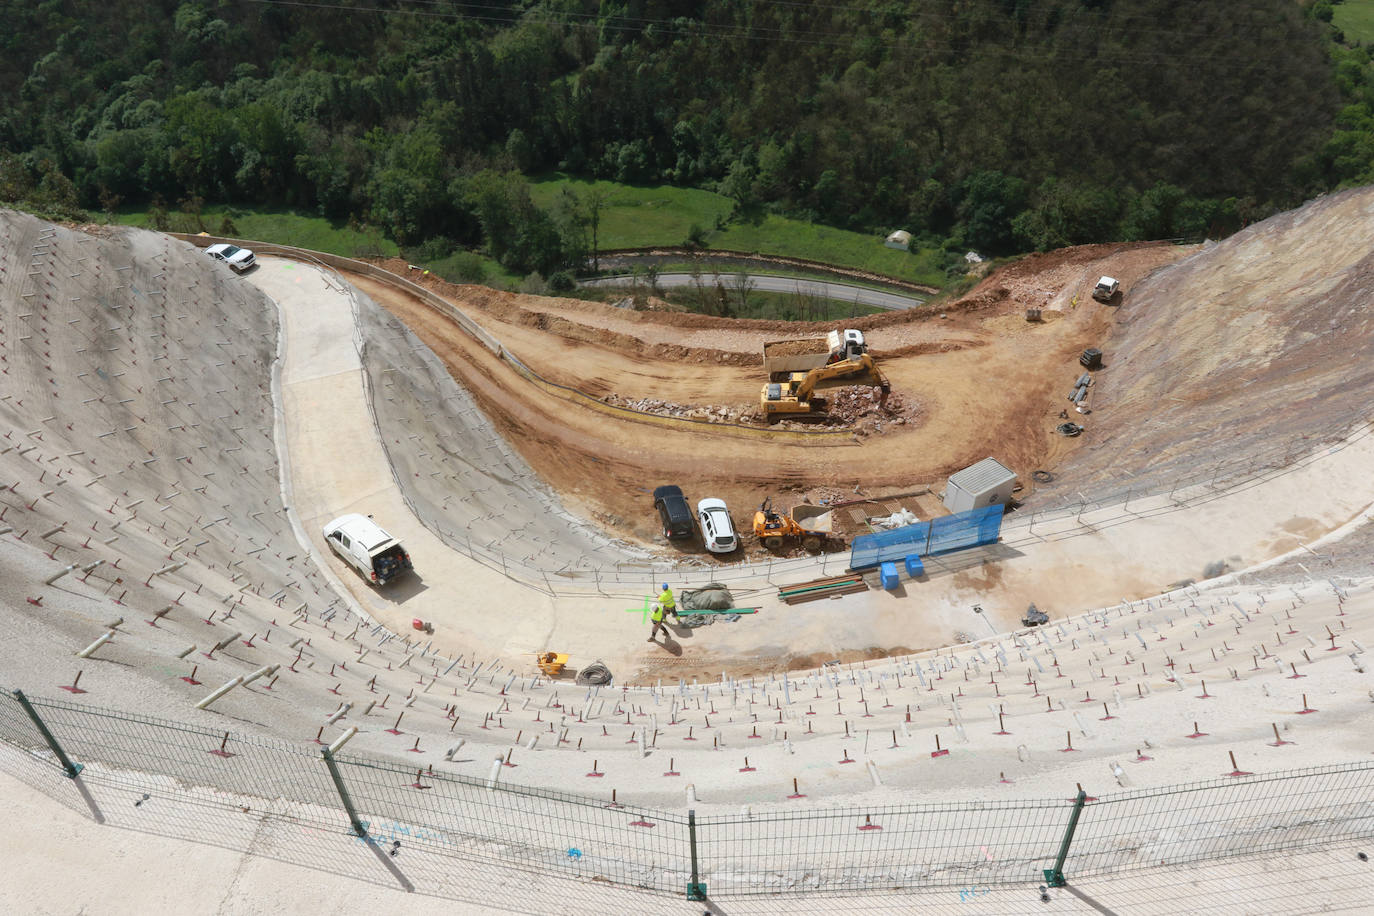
[978,379]
[1257,346]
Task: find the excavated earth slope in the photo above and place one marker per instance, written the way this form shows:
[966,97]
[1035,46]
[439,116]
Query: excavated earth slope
[1247,353]
[975,379]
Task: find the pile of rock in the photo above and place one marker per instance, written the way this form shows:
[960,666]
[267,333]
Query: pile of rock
[854,406]
[714,413]
[860,406]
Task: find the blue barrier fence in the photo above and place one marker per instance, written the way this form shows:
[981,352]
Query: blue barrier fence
[941,535]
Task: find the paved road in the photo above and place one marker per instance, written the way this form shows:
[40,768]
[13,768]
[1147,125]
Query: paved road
[842,292]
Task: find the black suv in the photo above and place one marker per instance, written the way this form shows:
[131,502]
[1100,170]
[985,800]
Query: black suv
[673,512]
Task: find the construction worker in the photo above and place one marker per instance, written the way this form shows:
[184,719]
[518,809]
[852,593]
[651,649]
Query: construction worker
[667,602]
[656,615]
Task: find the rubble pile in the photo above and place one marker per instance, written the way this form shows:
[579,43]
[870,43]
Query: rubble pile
[712,413]
[858,405]
[854,406]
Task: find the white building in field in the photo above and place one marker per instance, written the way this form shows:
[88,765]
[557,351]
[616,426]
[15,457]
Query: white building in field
[900,240]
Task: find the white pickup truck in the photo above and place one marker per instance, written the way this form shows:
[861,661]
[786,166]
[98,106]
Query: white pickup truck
[364,545]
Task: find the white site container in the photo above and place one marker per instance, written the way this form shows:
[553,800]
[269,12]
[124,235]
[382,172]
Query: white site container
[987,483]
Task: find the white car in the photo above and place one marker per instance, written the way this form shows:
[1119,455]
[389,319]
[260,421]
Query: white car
[362,543]
[1106,289]
[717,531]
[240,259]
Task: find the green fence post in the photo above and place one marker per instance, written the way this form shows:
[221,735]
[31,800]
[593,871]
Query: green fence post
[73,769]
[695,889]
[1054,877]
[359,826]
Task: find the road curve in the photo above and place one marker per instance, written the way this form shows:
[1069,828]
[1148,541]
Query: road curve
[841,292]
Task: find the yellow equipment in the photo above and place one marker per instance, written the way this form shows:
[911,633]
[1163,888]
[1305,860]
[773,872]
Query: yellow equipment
[551,663]
[793,397]
[810,524]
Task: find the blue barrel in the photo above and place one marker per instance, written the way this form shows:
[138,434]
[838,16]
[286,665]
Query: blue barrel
[887,572]
[914,566]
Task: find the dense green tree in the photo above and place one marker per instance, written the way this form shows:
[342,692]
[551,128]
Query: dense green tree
[1010,124]
[989,202]
[518,234]
[1065,213]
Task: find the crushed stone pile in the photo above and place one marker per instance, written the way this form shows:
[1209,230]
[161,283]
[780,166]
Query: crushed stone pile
[712,413]
[858,407]
[854,406]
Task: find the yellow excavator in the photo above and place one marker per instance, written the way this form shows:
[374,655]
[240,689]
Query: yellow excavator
[793,397]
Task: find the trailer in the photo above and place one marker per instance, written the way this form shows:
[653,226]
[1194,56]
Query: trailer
[781,358]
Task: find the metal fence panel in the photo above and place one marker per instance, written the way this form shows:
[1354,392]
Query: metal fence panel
[853,849]
[17,728]
[965,529]
[236,763]
[520,827]
[834,849]
[942,535]
[1224,817]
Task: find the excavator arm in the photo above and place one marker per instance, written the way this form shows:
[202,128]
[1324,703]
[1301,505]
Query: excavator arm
[795,396]
[862,364]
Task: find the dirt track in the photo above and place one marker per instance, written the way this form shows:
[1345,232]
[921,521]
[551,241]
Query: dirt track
[983,380]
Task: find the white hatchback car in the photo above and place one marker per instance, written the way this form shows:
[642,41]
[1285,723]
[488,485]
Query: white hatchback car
[240,259]
[717,531]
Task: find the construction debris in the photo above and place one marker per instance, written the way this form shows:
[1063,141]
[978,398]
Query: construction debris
[899,519]
[853,406]
[1080,388]
[712,413]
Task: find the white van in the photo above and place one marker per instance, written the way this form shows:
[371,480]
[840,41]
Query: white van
[365,546]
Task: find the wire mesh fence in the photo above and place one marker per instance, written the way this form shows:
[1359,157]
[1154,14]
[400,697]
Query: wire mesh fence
[1225,817]
[532,829]
[854,849]
[792,851]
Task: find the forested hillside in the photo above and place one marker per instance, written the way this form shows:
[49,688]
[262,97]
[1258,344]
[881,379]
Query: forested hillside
[1004,124]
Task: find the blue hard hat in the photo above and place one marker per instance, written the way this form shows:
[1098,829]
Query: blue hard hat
[665,586]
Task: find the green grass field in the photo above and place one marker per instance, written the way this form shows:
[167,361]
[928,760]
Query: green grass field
[282,228]
[632,217]
[470,267]
[1355,18]
[635,217]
